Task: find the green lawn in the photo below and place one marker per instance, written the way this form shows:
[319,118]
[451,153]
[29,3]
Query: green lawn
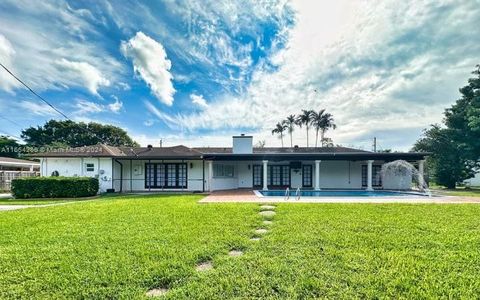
[460,191]
[31,202]
[120,248]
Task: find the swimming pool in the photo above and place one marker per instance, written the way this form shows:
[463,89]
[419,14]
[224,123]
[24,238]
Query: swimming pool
[340,193]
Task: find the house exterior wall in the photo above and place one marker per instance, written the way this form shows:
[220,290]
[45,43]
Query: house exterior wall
[136,168]
[71,167]
[333,174]
[475,181]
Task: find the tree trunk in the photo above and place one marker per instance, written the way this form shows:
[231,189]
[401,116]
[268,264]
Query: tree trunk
[316,138]
[291,140]
[307,136]
[322,137]
[281,137]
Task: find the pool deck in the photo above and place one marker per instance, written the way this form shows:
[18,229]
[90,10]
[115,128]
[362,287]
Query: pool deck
[248,196]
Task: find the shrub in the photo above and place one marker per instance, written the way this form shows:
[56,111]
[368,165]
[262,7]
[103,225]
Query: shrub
[54,187]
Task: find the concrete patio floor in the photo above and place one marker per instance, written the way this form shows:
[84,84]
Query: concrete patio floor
[248,196]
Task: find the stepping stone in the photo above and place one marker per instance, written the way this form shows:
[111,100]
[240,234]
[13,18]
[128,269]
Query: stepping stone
[204,266]
[267,214]
[158,292]
[267,207]
[255,239]
[267,222]
[261,231]
[235,253]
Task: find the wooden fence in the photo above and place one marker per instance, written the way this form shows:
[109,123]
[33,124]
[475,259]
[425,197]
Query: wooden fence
[6,178]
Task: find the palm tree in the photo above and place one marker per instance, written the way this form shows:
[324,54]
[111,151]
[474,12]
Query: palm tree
[290,122]
[280,129]
[317,123]
[327,123]
[305,119]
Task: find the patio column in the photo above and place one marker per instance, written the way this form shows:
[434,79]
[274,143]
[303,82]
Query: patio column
[265,175]
[421,181]
[210,176]
[369,175]
[317,174]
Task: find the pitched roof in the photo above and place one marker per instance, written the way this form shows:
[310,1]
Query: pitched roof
[121,152]
[16,161]
[279,150]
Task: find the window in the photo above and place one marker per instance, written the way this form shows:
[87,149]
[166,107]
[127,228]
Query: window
[279,176]
[307,176]
[89,167]
[168,175]
[220,170]
[257,175]
[376,175]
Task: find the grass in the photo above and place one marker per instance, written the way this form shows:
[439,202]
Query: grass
[121,247]
[459,191]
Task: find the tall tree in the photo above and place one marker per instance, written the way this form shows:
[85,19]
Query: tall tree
[447,164]
[8,147]
[305,118]
[317,123]
[326,123]
[455,148]
[280,129]
[75,134]
[290,121]
[463,118]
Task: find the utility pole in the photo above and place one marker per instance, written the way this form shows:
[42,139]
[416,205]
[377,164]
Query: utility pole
[374,144]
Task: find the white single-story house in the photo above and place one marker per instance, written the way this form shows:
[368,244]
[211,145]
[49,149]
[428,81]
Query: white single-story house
[180,168]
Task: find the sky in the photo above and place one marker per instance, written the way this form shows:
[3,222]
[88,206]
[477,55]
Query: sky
[197,72]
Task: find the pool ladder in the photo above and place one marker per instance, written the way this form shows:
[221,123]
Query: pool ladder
[287,194]
[297,194]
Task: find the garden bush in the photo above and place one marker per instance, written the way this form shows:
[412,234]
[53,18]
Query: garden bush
[54,187]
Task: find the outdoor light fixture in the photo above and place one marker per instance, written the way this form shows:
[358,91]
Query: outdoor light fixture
[191,165]
[248,167]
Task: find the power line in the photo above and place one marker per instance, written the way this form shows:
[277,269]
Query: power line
[11,135]
[48,103]
[33,92]
[11,121]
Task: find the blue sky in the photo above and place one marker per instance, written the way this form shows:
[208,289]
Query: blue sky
[197,72]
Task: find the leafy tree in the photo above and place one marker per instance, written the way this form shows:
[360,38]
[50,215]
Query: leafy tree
[322,121]
[75,134]
[305,118]
[290,121]
[463,118]
[447,164]
[280,129]
[455,148]
[8,146]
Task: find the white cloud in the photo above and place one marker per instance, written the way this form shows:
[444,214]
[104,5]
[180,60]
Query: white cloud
[116,106]
[51,50]
[148,122]
[167,119]
[375,66]
[37,108]
[151,64]
[87,107]
[7,53]
[91,76]
[199,100]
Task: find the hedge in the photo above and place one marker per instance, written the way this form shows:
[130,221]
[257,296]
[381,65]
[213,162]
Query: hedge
[54,187]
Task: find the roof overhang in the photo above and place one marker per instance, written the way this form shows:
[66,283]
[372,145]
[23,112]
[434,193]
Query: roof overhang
[409,156]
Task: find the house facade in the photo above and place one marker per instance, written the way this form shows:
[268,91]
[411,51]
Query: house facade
[179,168]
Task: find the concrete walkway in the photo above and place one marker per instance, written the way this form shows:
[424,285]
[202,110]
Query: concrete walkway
[248,196]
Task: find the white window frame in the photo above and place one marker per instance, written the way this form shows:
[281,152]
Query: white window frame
[220,171]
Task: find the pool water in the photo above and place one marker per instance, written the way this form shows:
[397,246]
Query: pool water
[341,193]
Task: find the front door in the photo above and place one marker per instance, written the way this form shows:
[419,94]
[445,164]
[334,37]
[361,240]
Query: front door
[307,176]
